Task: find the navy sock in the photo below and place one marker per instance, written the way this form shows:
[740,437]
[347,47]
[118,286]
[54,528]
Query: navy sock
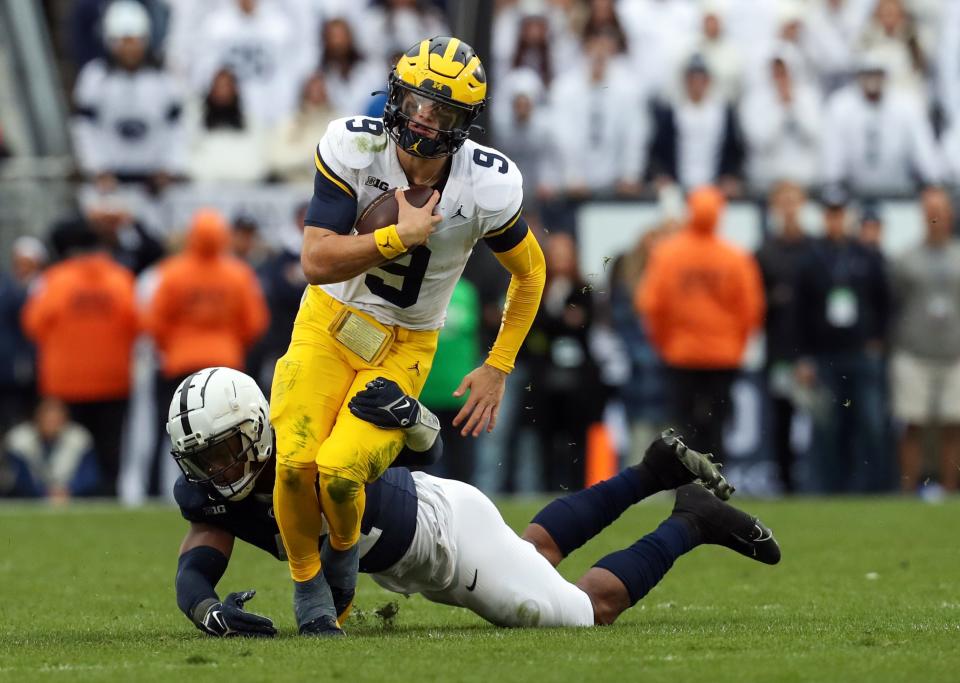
[312,599]
[641,566]
[575,519]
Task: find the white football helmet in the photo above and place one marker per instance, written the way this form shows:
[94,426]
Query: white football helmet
[219,424]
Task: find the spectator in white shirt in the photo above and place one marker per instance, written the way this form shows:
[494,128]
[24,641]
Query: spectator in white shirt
[226,146]
[781,122]
[350,77]
[831,31]
[653,28]
[127,124]
[290,143]
[535,36]
[533,48]
[697,141]
[948,63]
[718,51]
[257,41]
[599,118]
[892,36]
[521,127]
[878,140]
[390,25]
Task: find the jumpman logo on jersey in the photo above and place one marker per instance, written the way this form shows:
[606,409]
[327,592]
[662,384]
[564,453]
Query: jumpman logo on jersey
[415,367]
[459,212]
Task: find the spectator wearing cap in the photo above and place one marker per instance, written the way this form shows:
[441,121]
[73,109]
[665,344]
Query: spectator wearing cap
[226,144]
[599,123]
[779,258]
[843,308]
[876,140]
[85,28]
[302,130]
[781,120]
[207,308]
[127,123]
[245,242]
[701,298]
[925,366]
[18,384]
[697,141]
[871,226]
[82,317]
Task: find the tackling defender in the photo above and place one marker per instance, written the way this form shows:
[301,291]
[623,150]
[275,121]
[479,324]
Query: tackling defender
[376,302]
[422,534]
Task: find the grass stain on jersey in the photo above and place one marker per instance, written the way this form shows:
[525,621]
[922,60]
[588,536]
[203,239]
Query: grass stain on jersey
[373,145]
[302,432]
[341,490]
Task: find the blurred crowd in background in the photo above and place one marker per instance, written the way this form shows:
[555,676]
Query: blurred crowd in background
[779,102]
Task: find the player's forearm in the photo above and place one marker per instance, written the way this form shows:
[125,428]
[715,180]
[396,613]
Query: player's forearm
[529,272]
[198,571]
[332,258]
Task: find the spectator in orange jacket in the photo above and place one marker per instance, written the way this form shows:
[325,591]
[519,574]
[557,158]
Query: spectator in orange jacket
[701,298]
[207,310]
[83,319]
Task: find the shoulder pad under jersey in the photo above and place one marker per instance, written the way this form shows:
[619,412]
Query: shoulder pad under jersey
[353,142]
[497,182]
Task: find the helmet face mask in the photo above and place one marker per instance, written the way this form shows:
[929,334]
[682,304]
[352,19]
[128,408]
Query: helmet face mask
[228,464]
[436,92]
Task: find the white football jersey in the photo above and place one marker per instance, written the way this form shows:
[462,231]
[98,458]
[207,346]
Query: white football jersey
[483,193]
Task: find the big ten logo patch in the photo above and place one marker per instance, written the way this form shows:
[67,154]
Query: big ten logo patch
[377,183]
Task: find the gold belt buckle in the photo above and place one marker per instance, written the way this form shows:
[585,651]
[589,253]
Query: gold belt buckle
[366,338]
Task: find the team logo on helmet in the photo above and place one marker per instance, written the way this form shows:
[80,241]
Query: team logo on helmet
[436,92]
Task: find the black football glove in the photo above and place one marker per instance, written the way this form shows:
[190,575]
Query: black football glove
[384,404]
[226,619]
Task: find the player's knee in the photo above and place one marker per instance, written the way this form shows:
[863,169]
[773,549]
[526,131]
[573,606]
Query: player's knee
[295,479]
[341,491]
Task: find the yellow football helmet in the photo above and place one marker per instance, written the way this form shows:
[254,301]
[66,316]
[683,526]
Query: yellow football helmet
[436,92]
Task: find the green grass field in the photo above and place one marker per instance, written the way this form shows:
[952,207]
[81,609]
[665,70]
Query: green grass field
[867,591]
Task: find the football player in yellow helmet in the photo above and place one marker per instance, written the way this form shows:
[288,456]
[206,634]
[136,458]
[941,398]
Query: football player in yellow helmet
[437,90]
[377,300]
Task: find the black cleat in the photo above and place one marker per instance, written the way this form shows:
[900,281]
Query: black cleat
[673,464]
[722,524]
[322,627]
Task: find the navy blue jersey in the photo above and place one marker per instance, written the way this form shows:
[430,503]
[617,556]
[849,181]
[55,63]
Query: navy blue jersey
[389,519]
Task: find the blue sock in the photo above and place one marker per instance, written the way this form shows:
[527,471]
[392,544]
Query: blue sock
[575,519]
[340,568]
[312,599]
[641,566]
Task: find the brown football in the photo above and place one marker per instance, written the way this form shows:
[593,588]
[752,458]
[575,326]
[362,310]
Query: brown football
[383,210]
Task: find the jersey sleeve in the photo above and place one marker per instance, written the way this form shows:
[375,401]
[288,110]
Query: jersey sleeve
[191,500]
[499,195]
[347,147]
